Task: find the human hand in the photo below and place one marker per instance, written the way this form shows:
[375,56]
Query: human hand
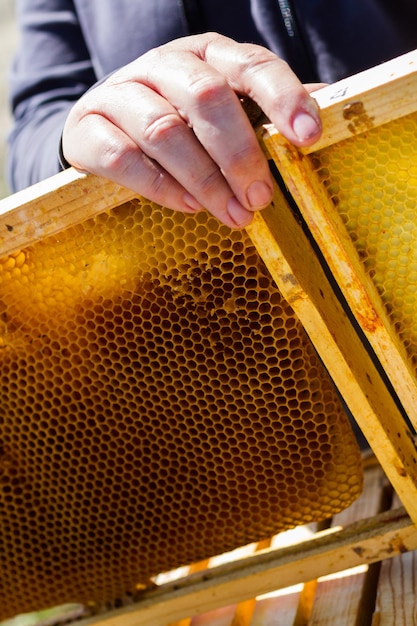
[170,127]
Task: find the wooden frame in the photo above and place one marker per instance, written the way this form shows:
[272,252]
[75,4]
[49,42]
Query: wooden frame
[349,108]
[289,247]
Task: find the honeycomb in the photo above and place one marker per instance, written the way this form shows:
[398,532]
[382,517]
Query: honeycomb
[160,403]
[372,179]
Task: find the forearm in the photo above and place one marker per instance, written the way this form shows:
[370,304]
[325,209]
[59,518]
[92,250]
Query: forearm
[33,153]
[51,70]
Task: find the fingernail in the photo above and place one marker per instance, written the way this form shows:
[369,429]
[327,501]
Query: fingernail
[192,203]
[239,215]
[305,126]
[259,194]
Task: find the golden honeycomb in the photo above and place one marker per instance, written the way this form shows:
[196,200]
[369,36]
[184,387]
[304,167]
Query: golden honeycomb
[160,403]
[372,179]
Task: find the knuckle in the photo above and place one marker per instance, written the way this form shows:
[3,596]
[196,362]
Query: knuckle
[162,129]
[247,158]
[209,91]
[256,58]
[117,156]
[208,183]
[121,161]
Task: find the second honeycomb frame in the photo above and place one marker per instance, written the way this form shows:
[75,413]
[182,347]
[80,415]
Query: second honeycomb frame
[350,108]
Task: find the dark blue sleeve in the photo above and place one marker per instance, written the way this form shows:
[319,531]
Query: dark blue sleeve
[52,69]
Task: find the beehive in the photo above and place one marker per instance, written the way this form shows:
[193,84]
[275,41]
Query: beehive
[160,403]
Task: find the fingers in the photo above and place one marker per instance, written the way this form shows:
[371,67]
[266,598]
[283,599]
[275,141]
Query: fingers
[202,138]
[170,125]
[150,149]
[270,82]
[112,154]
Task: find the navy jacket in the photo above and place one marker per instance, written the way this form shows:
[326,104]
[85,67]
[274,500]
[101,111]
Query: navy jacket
[68,45]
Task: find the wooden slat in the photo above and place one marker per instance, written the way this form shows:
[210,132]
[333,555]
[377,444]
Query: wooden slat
[366,541]
[370,98]
[338,601]
[241,613]
[53,205]
[397,591]
[289,608]
[279,609]
[195,567]
[345,599]
[218,617]
[293,603]
[235,615]
[255,611]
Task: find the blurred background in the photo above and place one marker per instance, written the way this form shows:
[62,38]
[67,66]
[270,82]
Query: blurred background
[8,38]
